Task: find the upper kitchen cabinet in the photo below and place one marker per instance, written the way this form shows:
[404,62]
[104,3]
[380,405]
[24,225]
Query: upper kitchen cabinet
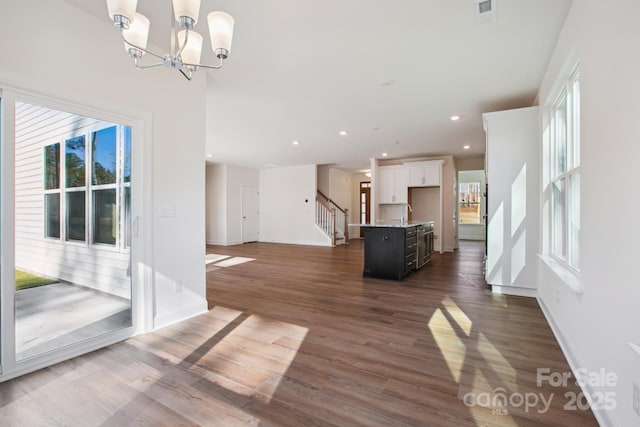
[423,174]
[392,181]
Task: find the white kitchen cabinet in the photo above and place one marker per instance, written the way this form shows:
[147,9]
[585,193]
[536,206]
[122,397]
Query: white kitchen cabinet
[423,174]
[392,184]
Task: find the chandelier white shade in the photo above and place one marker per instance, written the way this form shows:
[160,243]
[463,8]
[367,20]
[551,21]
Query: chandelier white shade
[188,8]
[220,30]
[192,49]
[186,45]
[137,35]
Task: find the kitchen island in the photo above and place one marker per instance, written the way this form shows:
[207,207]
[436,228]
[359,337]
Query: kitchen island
[393,249]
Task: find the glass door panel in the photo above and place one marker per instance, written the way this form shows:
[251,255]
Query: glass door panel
[72,224]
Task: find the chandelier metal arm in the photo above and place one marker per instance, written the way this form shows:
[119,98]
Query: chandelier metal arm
[144,67]
[186,76]
[211,67]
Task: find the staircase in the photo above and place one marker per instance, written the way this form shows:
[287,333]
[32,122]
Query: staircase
[332,219]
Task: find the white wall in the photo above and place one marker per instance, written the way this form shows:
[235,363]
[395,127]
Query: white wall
[324,180]
[224,202]
[470,164]
[216,204]
[594,327]
[69,55]
[472,231]
[288,204]
[513,204]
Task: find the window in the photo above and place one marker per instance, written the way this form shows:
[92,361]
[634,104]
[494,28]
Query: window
[52,190]
[563,163]
[94,202]
[470,203]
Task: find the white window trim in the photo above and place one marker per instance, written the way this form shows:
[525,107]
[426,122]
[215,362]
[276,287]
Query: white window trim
[560,266]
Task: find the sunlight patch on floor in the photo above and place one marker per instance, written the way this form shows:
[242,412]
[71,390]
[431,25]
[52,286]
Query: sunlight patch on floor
[447,338]
[214,260]
[263,370]
[458,315]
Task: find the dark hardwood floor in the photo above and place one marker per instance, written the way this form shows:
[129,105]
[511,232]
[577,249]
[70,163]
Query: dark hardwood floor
[295,336]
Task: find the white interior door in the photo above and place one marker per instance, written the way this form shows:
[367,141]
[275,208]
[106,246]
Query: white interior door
[250,214]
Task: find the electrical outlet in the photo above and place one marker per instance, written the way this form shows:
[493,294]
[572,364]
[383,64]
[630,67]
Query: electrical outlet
[178,286]
[636,399]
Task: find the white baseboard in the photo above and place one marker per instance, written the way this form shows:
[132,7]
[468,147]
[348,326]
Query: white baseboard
[220,243]
[175,316]
[299,242]
[602,416]
[514,290]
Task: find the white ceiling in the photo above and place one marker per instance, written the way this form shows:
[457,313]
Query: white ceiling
[304,70]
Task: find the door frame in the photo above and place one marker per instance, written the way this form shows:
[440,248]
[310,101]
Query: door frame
[140,252]
[367,192]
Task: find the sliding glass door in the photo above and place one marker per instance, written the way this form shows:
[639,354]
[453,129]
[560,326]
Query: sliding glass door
[67,185]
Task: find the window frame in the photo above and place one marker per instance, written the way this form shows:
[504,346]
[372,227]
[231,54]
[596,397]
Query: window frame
[569,98]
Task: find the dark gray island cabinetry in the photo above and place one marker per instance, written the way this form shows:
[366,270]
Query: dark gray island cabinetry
[393,250]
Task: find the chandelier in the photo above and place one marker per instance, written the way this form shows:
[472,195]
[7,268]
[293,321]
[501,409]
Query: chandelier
[186,44]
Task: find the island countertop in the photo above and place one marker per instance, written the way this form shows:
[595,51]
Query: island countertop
[393,223]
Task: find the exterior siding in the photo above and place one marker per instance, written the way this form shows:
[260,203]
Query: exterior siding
[104,268]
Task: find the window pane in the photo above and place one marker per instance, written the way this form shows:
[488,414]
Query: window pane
[52,167]
[75,150]
[574,220]
[558,227]
[560,147]
[575,142]
[52,215]
[76,216]
[127,154]
[104,216]
[103,144]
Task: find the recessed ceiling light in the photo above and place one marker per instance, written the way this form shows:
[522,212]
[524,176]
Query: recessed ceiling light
[387,83]
[455,118]
[376,128]
[343,132]
[396,142]
[296,142]
[466,147]
[384,154]
[209,155]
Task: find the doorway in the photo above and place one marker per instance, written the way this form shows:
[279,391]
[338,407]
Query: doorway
[250,214]
[365,204]
[68,185]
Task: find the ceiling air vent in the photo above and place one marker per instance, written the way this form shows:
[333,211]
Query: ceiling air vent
[485,11]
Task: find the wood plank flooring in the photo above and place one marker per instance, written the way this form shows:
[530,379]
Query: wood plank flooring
[296,337]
